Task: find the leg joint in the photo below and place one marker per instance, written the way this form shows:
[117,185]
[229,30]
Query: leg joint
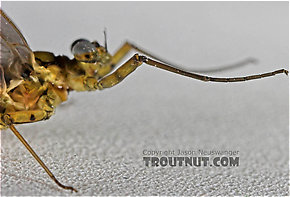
[140,58]
[7,119]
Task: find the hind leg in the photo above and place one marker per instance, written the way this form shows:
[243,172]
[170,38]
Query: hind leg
[43,111]
[20,117]
[9,123]
[2,124]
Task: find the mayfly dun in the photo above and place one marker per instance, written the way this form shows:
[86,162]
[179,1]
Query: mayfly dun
[33,84]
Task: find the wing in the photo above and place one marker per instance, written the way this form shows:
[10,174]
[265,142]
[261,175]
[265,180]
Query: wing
[2,81]
[15,54]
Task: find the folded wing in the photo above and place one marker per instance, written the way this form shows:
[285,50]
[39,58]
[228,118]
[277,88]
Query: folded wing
[15,54]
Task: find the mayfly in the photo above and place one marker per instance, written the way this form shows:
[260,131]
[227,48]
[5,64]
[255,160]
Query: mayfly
[32,84]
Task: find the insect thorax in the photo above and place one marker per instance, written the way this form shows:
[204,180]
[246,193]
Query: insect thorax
[48,84]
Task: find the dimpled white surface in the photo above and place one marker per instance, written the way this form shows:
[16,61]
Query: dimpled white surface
[95,141]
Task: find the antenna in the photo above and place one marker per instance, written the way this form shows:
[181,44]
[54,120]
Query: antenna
[105,35]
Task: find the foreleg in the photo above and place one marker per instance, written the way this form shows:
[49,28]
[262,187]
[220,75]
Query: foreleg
[137,60]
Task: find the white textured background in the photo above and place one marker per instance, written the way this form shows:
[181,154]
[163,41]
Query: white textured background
[95,140]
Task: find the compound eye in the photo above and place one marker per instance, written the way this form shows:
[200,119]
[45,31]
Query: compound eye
[96,44]
[84,50]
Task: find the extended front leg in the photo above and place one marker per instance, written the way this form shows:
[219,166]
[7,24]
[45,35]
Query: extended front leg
[137,60]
